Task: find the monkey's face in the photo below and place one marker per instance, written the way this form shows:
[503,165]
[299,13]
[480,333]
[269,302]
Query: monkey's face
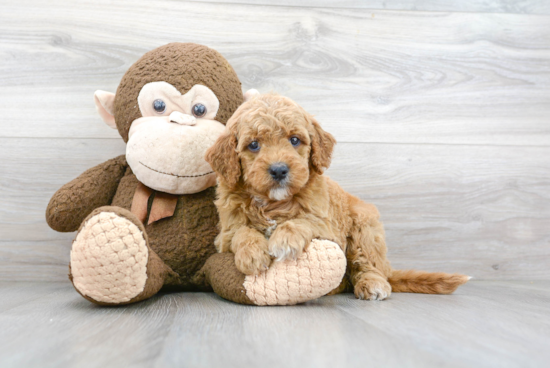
[170,107]
[166,146]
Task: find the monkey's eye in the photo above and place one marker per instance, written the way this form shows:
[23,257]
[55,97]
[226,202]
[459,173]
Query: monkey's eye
[254,146]
[295,141]
[159,106]
[199,110]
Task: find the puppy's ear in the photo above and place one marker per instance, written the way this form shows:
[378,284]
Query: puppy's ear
[322,145]
[222,156]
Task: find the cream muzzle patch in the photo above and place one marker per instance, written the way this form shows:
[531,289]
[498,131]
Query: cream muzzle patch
[166,146]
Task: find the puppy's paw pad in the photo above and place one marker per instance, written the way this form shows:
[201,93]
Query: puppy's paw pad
[372,289]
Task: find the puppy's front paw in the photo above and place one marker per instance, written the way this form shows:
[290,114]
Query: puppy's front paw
[252,261]
[287,242]
[372,289]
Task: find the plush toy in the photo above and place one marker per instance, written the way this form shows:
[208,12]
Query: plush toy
[146,220]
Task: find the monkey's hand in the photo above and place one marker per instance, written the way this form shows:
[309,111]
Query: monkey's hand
[75,200]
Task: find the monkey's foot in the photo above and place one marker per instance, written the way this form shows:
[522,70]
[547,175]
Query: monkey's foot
[111,262]
[315,273]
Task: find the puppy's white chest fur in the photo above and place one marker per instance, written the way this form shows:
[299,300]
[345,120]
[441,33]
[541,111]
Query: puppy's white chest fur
[278,194]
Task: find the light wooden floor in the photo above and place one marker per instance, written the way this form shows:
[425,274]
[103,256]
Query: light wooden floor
[485,324]
[441,110]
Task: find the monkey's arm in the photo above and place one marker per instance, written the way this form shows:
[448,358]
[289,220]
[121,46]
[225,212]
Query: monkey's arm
[94,188]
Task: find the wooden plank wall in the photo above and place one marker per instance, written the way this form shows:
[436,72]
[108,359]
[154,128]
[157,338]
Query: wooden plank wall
[441,110]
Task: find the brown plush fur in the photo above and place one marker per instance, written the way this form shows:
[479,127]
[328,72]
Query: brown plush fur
[184,241]
[249,202]
[183,66]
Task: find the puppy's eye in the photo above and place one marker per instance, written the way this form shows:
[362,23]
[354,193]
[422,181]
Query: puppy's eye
[295,141]
[159,106]
[199,110]
[254,146]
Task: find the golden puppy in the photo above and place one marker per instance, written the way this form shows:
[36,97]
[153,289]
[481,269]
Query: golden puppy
[273,200]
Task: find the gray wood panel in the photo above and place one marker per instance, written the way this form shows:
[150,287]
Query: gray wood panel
[30,173]
[472,6]
[480,210]
[484,324]
[369,76]
[442,118]
[15,294]
[490,316]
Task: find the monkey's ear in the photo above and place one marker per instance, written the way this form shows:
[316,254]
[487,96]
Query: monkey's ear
[322,145]
[105,103]
[223,158]
[250,93]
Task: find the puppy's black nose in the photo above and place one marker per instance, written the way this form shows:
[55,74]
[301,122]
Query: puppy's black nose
[278,171]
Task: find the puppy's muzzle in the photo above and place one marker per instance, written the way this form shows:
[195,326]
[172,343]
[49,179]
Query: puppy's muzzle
[279,171]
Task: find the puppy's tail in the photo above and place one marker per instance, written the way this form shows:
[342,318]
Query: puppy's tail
[411,281]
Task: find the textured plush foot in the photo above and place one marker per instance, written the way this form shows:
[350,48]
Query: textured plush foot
[109,259]
[315,273]
[372,289]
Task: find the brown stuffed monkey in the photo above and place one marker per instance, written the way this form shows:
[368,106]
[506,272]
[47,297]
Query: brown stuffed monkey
[146,220]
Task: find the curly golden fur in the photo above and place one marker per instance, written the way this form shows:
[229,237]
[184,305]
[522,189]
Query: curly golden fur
[264,216]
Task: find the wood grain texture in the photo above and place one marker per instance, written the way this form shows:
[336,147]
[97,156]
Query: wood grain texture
[472,6]
[479,210]
[369,76]
[482,210]
[442,118]
[32,171]
[484,324]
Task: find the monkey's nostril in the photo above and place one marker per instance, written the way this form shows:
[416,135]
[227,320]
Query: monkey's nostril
[278,171]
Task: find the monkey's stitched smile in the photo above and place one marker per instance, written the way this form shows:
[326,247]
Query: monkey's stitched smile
[179,176]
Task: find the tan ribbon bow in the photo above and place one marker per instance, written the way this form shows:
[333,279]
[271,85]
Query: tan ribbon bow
[164,204]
